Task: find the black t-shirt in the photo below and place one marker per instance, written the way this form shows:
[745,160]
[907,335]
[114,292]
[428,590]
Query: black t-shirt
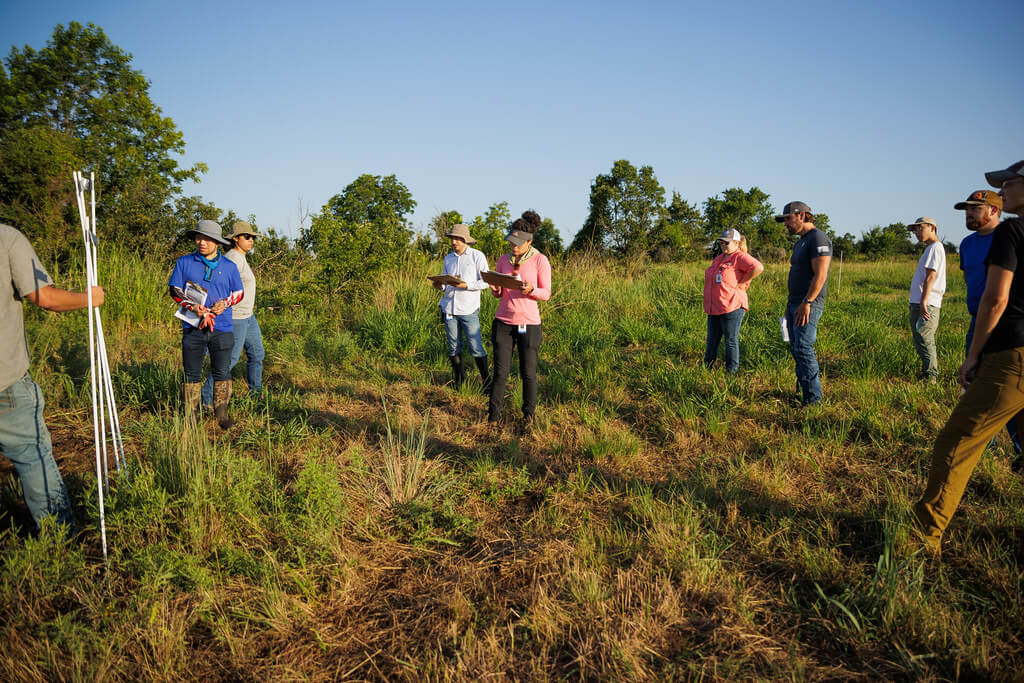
[813,244]
[1007,251]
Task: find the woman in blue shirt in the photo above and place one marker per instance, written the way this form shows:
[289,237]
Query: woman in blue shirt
[206,326]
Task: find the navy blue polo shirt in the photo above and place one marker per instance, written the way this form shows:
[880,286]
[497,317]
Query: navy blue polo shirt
[813,244]
[222,283]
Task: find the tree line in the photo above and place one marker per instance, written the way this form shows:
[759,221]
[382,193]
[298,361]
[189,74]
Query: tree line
[77,103]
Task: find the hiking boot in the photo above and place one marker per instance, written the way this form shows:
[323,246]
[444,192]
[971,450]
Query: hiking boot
[525,426]
[485,375]
[458,371]
[221,396]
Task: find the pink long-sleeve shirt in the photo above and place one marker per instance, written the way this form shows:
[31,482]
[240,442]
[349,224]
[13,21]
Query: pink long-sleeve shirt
[515,307]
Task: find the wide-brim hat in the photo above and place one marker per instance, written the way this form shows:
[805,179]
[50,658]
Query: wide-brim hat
[241,228]
[210,229]
[792,207]
[461,231]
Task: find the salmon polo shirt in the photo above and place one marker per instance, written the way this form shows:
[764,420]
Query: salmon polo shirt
[721,293]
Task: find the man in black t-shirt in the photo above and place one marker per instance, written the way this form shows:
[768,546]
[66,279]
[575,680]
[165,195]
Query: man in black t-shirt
[808,283]
[993,387]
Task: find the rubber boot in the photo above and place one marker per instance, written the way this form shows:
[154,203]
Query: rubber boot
[458,372]
[485,374]
[191,393]
[221,396]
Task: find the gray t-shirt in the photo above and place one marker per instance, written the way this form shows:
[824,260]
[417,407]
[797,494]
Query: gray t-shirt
[243,309]
[813,244]
[21,273]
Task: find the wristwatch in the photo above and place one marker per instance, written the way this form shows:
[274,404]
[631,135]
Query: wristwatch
[808,301]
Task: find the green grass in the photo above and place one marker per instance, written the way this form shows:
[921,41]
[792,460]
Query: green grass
[661,521]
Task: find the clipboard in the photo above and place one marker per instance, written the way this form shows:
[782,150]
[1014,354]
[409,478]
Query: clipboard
[196,295]
[501,280]
[446,279]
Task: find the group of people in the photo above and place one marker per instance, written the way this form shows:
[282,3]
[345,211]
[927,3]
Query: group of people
[517,322]
[728,277]
[220,322]
[224,281]
[992,374]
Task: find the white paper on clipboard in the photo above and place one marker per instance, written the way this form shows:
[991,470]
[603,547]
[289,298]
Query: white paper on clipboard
[196,295]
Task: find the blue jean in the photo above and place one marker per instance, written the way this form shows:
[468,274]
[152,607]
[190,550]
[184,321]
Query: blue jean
[463,328]
[195,344]
[1011,426]
[728,326]
[25,440]
[249,337]
[801,346]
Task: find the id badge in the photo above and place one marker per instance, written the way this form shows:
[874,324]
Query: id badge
[522,329]
[718,278]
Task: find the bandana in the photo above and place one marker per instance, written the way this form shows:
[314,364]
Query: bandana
[210,265]
[525,257]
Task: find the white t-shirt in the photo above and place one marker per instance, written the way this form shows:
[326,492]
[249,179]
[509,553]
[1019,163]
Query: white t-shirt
[933,258]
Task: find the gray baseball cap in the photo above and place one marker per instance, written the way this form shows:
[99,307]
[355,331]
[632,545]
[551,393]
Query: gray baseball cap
[519,237]
[997,178]
[792,207]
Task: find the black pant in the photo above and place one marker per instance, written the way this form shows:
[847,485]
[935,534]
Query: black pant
[503,338]
[194,345]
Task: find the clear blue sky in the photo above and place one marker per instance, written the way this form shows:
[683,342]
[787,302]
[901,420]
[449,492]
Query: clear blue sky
[872,112]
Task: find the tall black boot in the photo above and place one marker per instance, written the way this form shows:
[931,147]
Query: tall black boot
[485,374]
[458,372]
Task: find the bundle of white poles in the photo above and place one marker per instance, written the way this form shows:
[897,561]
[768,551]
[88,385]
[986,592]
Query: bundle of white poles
[106,426]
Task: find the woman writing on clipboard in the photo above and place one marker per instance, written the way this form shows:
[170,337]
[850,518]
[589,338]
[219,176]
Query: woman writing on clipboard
[517,320]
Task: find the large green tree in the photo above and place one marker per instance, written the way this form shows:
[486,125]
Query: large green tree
[82,87]
[750,212]
[489,231]
[361,231]
[680,235]
[882,243]
[547,240]
[626,206]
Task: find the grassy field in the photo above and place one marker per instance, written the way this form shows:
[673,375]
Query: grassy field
[661,521]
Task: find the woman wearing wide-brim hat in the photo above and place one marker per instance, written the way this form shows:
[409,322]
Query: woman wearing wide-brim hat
[206,268]
[246,329]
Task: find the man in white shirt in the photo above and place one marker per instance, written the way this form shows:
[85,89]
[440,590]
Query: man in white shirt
[460,304]
[926,290]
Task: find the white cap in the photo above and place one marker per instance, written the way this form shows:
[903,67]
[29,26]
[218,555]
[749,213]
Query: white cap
[731,235]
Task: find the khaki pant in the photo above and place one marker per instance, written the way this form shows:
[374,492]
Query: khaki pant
[991,400]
